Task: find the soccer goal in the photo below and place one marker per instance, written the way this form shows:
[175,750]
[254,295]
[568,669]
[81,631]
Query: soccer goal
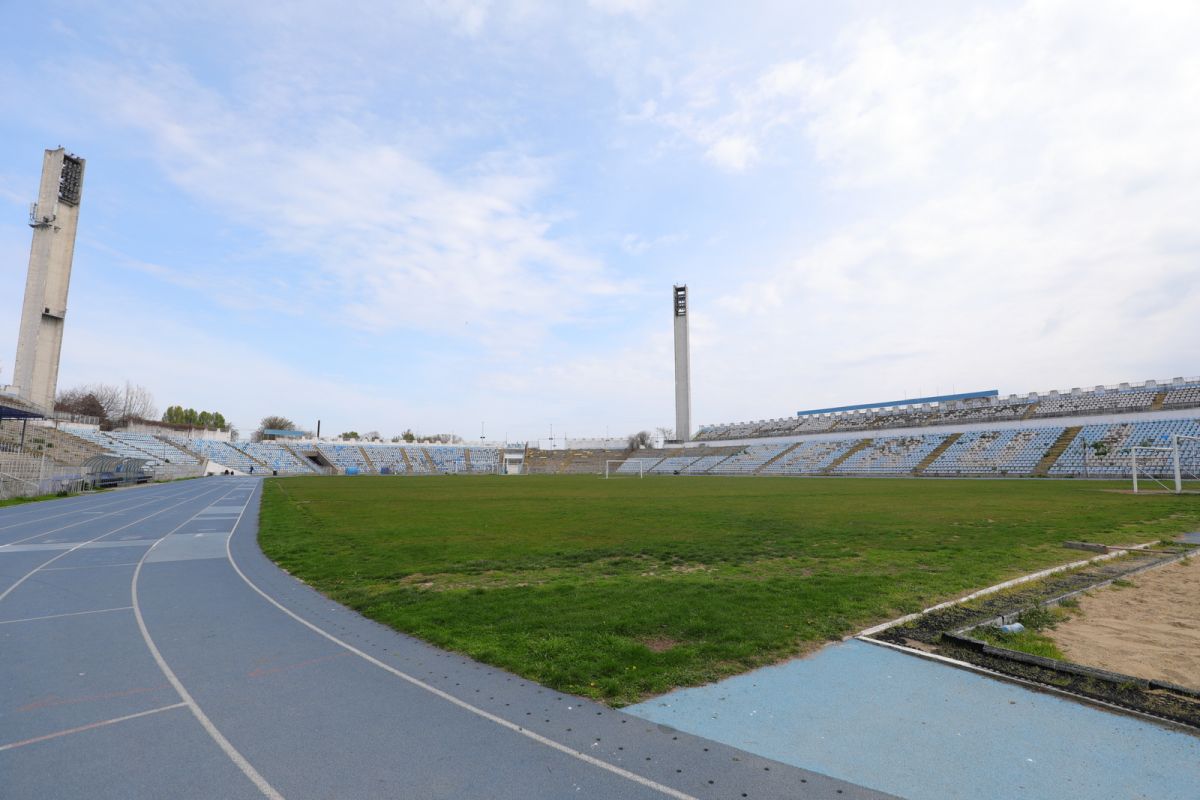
[1180,459]
[610,471]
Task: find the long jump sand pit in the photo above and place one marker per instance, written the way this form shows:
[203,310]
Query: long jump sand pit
[1148,627]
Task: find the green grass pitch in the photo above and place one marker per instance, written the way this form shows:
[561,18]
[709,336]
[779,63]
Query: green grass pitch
[622,589]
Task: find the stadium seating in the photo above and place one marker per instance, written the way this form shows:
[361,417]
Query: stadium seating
[809,458]
[1007,452]
[893,455]
[1125,398]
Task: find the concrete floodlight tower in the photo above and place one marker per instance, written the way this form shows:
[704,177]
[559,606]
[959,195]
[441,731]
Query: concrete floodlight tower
[53,218]
[683,367]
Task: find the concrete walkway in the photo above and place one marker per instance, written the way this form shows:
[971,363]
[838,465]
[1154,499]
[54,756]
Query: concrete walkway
[921,729]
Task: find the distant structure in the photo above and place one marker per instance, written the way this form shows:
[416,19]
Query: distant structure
[53,218]
[683,368]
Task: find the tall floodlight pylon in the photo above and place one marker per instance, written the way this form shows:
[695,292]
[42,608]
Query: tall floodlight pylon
[54,218]
[683,367]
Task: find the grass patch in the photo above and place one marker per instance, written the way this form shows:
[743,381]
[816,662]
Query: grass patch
[623,589]
[20,501]
[1032,640]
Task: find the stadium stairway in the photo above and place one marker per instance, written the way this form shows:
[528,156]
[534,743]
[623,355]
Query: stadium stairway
[1159,399]
[467,460]
[1060,444]
[1029,412]
[408,467]
[430,464]
[933,454]
[59,446]
[771,461]
[859,446]
[366,457]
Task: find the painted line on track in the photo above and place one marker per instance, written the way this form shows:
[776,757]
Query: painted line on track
[34,516]
[226,746]
[537,737]
[72,614]
[92,519]
[91,726]
[91,566]
[33,571]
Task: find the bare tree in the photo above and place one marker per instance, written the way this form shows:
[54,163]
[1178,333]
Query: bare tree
[667,434]
[639,440]
[272,423]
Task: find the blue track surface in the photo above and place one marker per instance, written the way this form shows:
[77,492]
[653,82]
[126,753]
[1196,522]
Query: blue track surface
[921,729]
[149,650]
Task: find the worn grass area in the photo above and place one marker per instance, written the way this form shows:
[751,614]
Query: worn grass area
[1035,639]
[20,501]
[624,588]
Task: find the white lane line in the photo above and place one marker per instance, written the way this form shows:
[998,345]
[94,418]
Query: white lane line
[90,566]
[72,614]
[82,728]
[537,737]
[35,516]
[31,572]
[93,519]
[237,758]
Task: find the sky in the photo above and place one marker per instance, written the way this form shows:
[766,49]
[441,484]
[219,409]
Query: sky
[467,216]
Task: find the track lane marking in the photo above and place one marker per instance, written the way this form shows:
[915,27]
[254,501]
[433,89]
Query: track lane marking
[34,516]
[71,614]
[463,704]
[91,726]
[93,519]
[30,574]
[226,746]
[90,566]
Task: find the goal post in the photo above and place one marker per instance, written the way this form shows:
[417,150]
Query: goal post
[610,471]
[1174,453]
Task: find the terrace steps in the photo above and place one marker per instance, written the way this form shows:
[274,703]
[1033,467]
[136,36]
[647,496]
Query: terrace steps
[257,461]
[860,446]
[367,458]
[467,459]
[408,465]
[928,460]
[430,465]
[1159,399]
[1060,444]
[771,461]
[1029,412]
[59,446]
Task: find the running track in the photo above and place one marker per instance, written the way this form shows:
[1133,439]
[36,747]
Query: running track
[149,650]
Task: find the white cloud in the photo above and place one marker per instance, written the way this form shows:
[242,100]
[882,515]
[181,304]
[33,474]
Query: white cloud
[390,241]
[1017,179]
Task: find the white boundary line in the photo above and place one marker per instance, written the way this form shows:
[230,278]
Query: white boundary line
[237,758]
[82,728]
[1033,576]
[562,748]
[31,572]
[93,519]
[71,614]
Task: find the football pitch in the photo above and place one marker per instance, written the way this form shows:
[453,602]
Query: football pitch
[621,589]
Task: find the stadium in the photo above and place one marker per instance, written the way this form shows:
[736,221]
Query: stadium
[967,594]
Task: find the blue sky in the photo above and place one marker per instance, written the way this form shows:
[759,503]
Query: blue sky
[437,215]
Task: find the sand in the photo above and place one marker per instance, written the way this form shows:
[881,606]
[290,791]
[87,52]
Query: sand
[1150,630]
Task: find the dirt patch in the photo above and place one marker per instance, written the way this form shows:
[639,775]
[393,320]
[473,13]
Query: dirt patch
[1150,629]
[659,644]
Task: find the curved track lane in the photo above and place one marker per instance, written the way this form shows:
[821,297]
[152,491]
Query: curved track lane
[148,649]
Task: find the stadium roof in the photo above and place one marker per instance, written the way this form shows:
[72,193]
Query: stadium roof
[8,410]
[912,401]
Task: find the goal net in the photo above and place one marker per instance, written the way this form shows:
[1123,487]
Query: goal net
[1167,467]
[625,468]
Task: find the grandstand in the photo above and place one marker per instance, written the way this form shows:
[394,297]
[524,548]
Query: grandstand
[1081,433]
[978,407]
